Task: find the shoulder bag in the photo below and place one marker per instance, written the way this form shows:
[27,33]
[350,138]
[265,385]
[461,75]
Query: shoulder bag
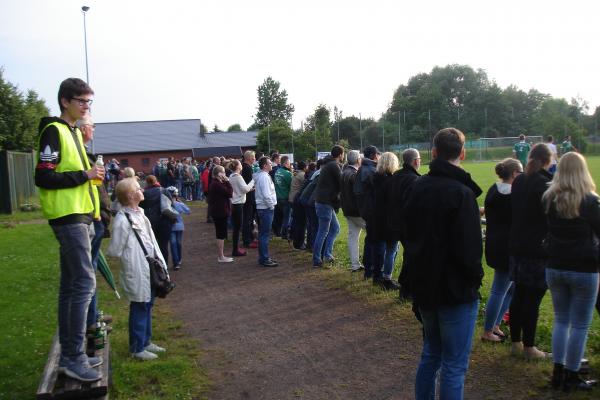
[159,278]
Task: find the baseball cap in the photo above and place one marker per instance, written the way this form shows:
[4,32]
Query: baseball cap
[370,151]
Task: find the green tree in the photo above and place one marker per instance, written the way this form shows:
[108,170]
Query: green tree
[277,135]
[216,129]
[272,104]
[235,128]
[556,117]
[19,117]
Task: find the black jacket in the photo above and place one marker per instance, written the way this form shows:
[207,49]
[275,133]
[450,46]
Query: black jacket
[330,183]
[444,248]
[397,192]
[573,243]
[381,212]
[497,232]
[529,227]
[348,198]
[364,189]
[152,209]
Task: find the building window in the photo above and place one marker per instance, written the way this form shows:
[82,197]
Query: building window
[124,162]
[145,162]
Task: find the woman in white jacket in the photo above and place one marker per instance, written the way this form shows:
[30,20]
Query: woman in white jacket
[240,188]
[135,271]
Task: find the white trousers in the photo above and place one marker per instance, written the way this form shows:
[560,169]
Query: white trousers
[355,225]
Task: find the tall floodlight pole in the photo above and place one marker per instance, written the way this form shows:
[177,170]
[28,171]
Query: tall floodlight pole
[84,10]
[292,128]
[360,130]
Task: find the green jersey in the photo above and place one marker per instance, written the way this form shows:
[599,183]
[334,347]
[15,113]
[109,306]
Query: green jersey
[283,183]
[522,150]
[566,147]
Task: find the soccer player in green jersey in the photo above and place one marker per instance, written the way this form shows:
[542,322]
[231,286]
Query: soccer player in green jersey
[521,150]
[566,146]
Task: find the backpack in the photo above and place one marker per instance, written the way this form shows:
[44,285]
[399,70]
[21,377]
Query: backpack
[306,196]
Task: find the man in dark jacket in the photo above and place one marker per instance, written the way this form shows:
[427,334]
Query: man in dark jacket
[396,195]
[350,209]
[444,247]
[327,203]
[250,204]
[365,198]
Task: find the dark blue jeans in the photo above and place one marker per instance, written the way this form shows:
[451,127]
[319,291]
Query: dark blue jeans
[92,314]
[176,240]
[328,230]
[373,254]
[140,325]
[264,232]
[286,209]
[448,335]
[77,285]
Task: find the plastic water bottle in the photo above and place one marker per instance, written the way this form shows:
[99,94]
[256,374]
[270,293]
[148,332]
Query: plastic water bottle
[99,163]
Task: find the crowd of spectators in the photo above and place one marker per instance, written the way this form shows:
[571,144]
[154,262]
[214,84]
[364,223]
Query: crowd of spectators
[542,233]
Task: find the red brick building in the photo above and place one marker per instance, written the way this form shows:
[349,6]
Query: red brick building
[140,144]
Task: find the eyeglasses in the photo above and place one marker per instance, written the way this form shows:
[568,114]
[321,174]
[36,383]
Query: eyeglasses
[83,101]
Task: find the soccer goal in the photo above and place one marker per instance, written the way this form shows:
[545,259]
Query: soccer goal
[491,149]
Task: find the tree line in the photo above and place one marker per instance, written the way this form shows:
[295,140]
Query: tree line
[454,95]
[20,115]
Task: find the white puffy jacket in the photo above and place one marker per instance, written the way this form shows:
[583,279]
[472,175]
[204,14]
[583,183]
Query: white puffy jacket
[135,272]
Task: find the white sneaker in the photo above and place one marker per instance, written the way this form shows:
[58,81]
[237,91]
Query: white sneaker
[225,259]
[145,355]
[153,348]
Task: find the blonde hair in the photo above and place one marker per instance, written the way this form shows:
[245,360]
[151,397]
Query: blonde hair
[571,183]
[388,163]
[128,172]
[124,188]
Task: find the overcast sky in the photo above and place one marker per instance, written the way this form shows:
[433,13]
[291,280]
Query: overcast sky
[176,59]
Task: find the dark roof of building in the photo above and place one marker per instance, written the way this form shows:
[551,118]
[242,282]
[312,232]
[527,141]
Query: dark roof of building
[217,151]
[149,136]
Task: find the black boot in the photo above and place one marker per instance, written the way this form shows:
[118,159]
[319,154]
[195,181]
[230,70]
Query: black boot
[574,382]
[558,376]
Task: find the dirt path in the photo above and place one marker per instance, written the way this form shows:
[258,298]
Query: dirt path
[282,333]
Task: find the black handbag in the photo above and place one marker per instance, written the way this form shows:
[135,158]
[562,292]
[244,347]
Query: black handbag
[159,278]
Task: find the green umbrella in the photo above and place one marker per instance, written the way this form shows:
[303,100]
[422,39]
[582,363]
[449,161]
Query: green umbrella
[107,273]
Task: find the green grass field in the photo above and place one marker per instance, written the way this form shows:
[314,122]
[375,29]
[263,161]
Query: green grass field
[29,277]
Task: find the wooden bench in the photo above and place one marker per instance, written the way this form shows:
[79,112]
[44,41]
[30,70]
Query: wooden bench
[58,386]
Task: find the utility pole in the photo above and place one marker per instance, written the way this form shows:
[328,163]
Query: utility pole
[360,130]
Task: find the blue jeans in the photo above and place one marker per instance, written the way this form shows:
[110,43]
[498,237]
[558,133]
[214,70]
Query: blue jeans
[573,296]
[140,325]
[286,210]
[391,249]
[448,335]
[265,217]
[77,286]
[329,228]
[499,300]
[92,314]
[176,239]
